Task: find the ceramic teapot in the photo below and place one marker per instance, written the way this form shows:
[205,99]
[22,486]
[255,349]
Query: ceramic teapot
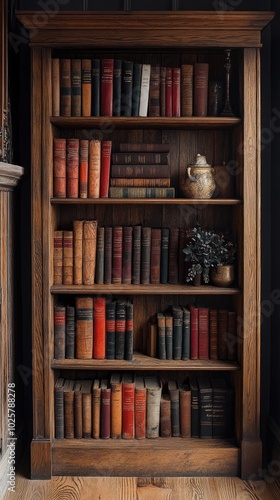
[198,179]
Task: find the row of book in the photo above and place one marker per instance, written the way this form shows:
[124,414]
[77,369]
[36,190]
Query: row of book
[116,87]
[140,407]
[92,254]
[94,328]
[191,332]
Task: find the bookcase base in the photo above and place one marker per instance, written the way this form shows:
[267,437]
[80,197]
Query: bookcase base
[41,459]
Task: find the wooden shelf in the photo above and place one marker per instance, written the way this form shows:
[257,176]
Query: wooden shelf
[143,201]
[143,289]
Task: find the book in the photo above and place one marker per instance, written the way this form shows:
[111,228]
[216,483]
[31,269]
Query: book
[89,251]
[55,86]
[110,326]
[143,147]
[151,341]
[177,313]
[194,331]
[86,87]
[99,330]
[128,341]
[70,332]
[161,341]
[116,405]
[127,255]
[165,416]
[106,148]
[65,87]
[169,335]
[141,192]
[86,390]
[78,410]
[164,255]
[117,255]
[105,409]
[222,334]
[96,408]
[200,88]
[154,92]
[186,341]
[144,158]
[219,407]
[83,168]
[76,87]
[181,256]
[100,250]
[162,90]
[59,331]
[136,254]
[232,336]
[136,87]
[108,249]
[194,407]
[154,389]
[78,252]
[176,92]
[68,401]
[173,390]
[59,408]
[141,171]
[205,407]
[173,255]
[67,258]
[213,334]
[140,408]
[117,87]
[106,78]
[59,168]
[187,90]
[185,409]
[120,329]
[145,268]
[84,327]
[58,258]
[203,333]
[144,89]
[155,256]
[94,168]
[168,92]
[128,406]
[95,87]
[126,86]
[72,168]
[139,182]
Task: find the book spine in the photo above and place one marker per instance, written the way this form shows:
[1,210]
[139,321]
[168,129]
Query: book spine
[185,412]
[175,412]
[145,255]
[169,336]
[219,413]
[120,329]
[161,335]
[126,95]
[83,168]
[96,409]
[55,86]
[106,75]
[117,88]
[155,256]
[176,91]
[140,158]
[67,257]
[200,88]
[70,333]
[86,87]
[58,258]
[100,249]
[65,87]
[177,312]
[186,334]
[89,251]
[136,87]
[78,252]
[164,255]
[110,329]
[59,331]
[108,255]
[194,409]
[99,336]
[78,413]
[194,332]
[117,255]
[72,168]
[138,147]
[127,255]
[84,327]
[141,192]
[168,92]
[59,168]
[128,410]
[140,413]
[162,91]
[116,410]
[173,256]
[153,412]
[141,171]
[165,416]
[205,412]
[181,256]
[87,415]
[106,148]
[59,412]
[222,333]
[69,415]
[187,89]
[139,182]
[94,168]
[213,334]
[136,254]
[144,90]
[154,92]
[105,419]
[232,336]
[203,333]
[128,346]
[95,87]
[76,87]
[151,341]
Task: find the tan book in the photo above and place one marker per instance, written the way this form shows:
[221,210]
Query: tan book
[68,393]
[94,169]
[185,409]
[116,406]
[78,252]
[84,327]
[86,388]
[187,89]
[58,258]
[67,257]
[89,251]
[96,404]
[86,87]
[55,86]
[154,389]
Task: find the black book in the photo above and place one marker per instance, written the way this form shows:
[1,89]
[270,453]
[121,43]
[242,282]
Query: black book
[126,93]
[173,390]
[95,87]
[219,407]
[100,249]
[117,87]
[110,329]
[177,313]
[164,255]
[136,86]
[70,332]
[128,347]
[194,408]
[146,255]
[205,399]
[120,329]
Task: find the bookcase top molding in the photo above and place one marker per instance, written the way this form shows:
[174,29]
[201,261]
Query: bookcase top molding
[145,29]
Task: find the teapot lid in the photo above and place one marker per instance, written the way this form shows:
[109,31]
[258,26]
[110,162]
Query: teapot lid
[200,161]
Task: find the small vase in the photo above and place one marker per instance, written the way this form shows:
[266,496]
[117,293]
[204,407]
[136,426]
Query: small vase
[223,275]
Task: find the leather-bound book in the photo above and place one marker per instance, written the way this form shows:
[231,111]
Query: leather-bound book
[68,396]
[176,92]
[95,87]
[146,255]
[94,168]
[154,390]
[165,416]
[100,250]
[141,192]
[128,406]
[151,341]
[232,336]
[106,148]
[84,327]
[173,390]
[155,255]
[144,89]
[194,331]
[203,333]
[106,77]
[140,408]
[67,257]
[141,171]
[59,168]
[86,388]
[105,416]
[99,337]
[136,254]
[116,406]
[89,251]
[96,408]
[65,87]
[219,386]
[164,255]
[168,92]
[162,90]
[120,329]
[205,407]
[186,341]
[110,326]
[127,255]
[72,168]
[136,88]
[128,343]
[76,87]
[169,335]
[83,168]
[126,94]
[200,89]
[59,408]
[59,331]
[161,340]
[78,251]
[154,93]
[86,87]
[134,158]
[125,147]
[213,334]
[117,87]
[108,256]
[117,255]
[185,409]
[78,410]
[194,407]
[58,258]
[70,332]
[173,256]
[187,90]
[55,86]
[177,313]
[222,334]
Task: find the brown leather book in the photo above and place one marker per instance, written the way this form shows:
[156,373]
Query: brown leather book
[78,410]
[151,343]
[187,89]
[176,91]
[139,182]
[185,409]
[108,249]
[59,331]
[127,255]
[117,255]
[83,168]
[138,158]
[106,148]
[78,251]
[200,89]
[72,168]
[143,147]
[136,254]
[84,327]
[55,86]
[173,390]
[154,389]
[58,258]
[89,251]
[106,76]
[99,337]
[140,408]
[96,404]
[94,168]
[232,336]
[65,87]
[105,416]
[116,406]
[155,255]
[68,393]
[86,388]
[59,168]
[222,333]
[154,92]
[165,416]
[146,255]
[86,87]
[67,257]
[59,408]
[76,87]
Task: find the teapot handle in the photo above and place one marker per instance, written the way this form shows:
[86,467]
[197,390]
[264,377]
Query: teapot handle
[191,177]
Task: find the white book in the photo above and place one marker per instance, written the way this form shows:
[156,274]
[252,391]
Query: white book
[144,91]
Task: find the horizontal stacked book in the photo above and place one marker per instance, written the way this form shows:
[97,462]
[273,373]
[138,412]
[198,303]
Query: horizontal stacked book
[116,87]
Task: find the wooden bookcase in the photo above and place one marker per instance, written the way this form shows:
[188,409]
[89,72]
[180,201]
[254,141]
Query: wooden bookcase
[167,38]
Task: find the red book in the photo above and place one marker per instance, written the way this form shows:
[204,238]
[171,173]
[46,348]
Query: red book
[128,411]
[127,255]
[140,408]
[176,92]
[203,333]
[59,168]
[222,333]
[200,89]
[168,92]
[83,170]
[106,149]
[105,417]
[99,337]
[213,334]
[72,168]
[155,256]
[117,255]
[194,332]
[107,73]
